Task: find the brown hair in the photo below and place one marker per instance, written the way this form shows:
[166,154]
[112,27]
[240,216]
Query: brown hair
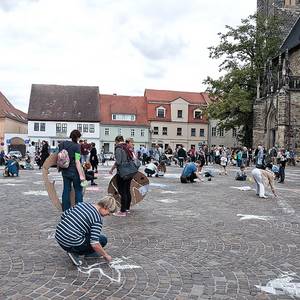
[119,138]
[75,135]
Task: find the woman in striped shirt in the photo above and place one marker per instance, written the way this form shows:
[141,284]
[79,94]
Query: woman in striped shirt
[79,231]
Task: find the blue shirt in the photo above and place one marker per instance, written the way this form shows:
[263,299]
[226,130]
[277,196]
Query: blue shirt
[77,223]
[189,169]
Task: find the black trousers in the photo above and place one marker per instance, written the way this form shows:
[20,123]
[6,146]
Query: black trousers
[124,191]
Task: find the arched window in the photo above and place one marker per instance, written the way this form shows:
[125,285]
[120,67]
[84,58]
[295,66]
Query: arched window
[198,114]
[161,112]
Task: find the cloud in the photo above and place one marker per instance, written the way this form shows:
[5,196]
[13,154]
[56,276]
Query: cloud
[157,46]
[8,5]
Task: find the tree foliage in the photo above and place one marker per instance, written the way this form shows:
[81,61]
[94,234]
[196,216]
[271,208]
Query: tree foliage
[244,50]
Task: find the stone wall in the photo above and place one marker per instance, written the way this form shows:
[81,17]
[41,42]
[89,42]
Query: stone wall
[295,63]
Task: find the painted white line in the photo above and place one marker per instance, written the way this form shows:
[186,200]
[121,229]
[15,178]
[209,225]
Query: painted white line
[254,217]
[284,285]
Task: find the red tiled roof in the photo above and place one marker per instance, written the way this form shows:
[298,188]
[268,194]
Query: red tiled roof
[169,96]
[115,104]
[7,110]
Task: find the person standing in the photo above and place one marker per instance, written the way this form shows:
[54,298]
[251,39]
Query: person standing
[85,150]
[74,173]
[44,152]
[122,155]
[282,164]
[181,156]
[94,158]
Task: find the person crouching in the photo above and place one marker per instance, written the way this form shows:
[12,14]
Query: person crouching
[79,231]
[89,174]
[151,169]
[190,172]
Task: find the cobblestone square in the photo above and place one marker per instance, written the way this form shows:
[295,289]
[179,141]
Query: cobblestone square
[206,240]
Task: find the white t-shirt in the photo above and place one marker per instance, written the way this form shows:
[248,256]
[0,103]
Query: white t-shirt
[152,167]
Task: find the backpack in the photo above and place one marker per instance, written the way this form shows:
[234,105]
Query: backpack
[63,160]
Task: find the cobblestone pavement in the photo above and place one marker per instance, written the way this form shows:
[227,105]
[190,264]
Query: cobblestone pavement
[205,240]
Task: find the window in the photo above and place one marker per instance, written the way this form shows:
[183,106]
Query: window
[202,132]
[42,126]
[131,132]
[142,132]
[58,127]
[106,131]
[123,117]
[155,130]
[179,113]
[233,132]
[179,131]
[165,131]
[213,131]
[79,127]
[92,128]
[193,132]
[221,131]
[64,127]
[36,126]
[160,112]
[85,128]
[197,114]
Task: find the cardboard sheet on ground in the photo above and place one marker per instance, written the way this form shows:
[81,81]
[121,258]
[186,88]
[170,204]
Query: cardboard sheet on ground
[51,162]
[138,188]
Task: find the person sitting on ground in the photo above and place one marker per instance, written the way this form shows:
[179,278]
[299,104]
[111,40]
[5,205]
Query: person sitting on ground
[241,174]
[11,167]
[89,174]
[151,169]
[79,230]
[190,172]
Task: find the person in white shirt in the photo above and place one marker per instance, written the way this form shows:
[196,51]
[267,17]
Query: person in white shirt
[151,169]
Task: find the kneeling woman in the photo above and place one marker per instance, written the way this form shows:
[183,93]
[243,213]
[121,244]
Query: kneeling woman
[79,231]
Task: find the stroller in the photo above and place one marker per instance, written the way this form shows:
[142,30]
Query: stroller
[11,168]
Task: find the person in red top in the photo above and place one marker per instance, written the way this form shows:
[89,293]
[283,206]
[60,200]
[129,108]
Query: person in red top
[85,151]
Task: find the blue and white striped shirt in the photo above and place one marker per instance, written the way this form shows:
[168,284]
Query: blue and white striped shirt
[77,223]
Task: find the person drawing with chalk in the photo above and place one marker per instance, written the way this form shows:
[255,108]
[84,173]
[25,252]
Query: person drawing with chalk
[79,230]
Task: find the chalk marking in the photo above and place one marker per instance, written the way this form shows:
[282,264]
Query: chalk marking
[285,207]
[242,188]
[169,192]
[36,193]
[51,235]
[167,201]
[158,184]
[176,176]
[282,285]
[13,184]
[253,217]
[93,188]
[114,265]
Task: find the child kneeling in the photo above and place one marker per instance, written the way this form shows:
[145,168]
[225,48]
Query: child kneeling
[241,174]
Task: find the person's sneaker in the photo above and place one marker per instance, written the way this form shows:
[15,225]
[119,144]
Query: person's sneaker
[75,258]
[93,255]
[264,197]
[128,211]
[94,183]
[120,214]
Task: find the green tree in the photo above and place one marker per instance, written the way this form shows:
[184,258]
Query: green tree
[244,50]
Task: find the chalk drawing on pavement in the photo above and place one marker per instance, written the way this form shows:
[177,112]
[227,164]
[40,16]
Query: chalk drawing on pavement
[36,193]
[284,285]
[254,217]
[167,200]
[116,266]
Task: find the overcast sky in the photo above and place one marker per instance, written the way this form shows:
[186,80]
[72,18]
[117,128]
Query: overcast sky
[122,46]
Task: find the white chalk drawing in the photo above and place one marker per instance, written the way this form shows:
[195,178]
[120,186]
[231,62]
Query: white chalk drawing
[14,184]
[93,188]
[284,285]
[116,265]
[176,176]
[51,235]
[287,209]
[158,184]
[167,200]
[242,188]
[169,192]
[36,193]
[254,217]
[143,190]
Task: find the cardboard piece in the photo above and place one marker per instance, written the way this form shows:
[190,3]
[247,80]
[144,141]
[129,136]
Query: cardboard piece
[49,185]
[138,188]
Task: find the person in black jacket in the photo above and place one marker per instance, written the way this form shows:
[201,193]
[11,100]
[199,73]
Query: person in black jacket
[181,156]
[94,158]
[44,152]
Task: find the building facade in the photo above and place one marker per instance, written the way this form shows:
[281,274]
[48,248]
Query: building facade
[176,118]
[14,123]
[123,115]
[277,107]
[55,110]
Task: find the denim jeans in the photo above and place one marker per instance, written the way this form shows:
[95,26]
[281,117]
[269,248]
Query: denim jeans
[68,180]
[86,247]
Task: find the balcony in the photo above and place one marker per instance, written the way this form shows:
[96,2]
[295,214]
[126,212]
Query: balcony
[294,83]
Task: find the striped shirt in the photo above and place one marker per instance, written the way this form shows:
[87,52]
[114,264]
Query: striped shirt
[77,223]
